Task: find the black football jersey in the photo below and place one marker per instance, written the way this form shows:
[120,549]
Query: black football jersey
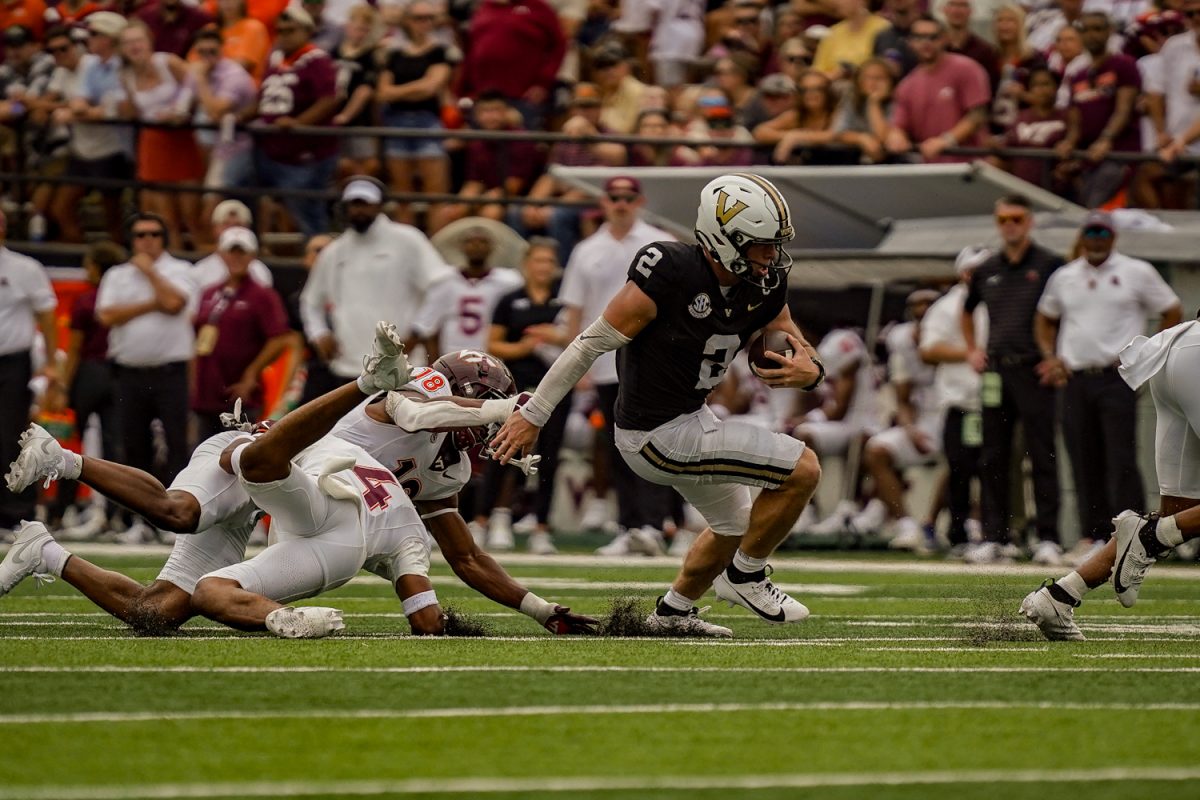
[672,365]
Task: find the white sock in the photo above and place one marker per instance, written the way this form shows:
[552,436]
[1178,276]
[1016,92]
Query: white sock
[745,563]
[1074,585]
[72,465]
[1168,532]
[677,601]
[54,557]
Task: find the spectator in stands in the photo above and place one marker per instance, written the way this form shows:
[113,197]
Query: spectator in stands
[29,14]
[735,75]
[1091,308]
[962,40]
[327,33]
[621,94]
[159,91]
[241,329]
[792,59]
[525,335]
[596,272]
[891,44]
[806,128]
[213,270]
[776,94]
[1043,25]
[97,151]
[1179,97]
[27,303]
[862,116]
[494,169]
[1068,59]
[88,376]
[719,124]
[942,103]
[741,32]
[1041,125]
[376,270]
[1101,118]
[244,39]
[655,123]
[24,74]
[515,50]
[145,304]
[671,34]
[851,41]
[71,12]
[48,140]
[225,92]
[173,25]
[357,64]
[300,89]
[1010,283]
[411,82]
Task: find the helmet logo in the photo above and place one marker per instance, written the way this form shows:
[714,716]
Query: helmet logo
[701,306]
[726,211]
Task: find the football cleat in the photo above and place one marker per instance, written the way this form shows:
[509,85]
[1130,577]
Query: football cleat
[1054,618]
[1047,554]
[647,541]
[1137,550]
[619,546]
[540,544]
[24,558]
[387,367]
[41,456]
[667,621]
[305,622]
[754,590]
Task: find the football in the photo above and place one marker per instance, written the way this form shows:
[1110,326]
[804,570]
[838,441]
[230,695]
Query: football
[775,341]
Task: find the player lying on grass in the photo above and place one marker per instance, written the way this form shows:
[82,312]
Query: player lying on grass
[211,506]
[1170,362]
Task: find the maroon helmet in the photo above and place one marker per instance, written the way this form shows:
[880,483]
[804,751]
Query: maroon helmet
[477,376]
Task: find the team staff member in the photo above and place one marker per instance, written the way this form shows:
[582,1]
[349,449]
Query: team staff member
[145,304]
[26,298]
[1092,308]
[241,328]
[1010,283]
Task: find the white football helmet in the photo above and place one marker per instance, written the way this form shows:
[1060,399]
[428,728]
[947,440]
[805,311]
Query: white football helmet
[741,209]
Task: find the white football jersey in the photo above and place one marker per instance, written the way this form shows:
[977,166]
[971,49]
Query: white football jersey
[905,365]
[839,350]
[425,463]
[459,309]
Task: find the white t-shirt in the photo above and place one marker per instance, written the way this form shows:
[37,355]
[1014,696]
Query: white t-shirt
[1152,70]
[459,309]
[25,290]
[211,270]
[156,338]
[362,278]
[842,349]
[905,366]
[955,385]
[1101,309]
[1181,65]
[596,271]
[676,26]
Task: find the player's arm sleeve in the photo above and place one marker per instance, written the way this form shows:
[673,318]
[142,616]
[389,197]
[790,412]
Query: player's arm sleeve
[441,413]
[600,337]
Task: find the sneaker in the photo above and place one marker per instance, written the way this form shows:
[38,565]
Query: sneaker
[526,524]
[1083,550]
[1188,550]
[873,517]
[478,533]
[24,558]
[805,522]
[305,622]
[1054,618]
[681,543]
[164,537]
[500,532]
[619,546]
[647,541]
[595,514]
[137,533]
[1048,554]
[89,528]
[41,456]
[540,544]
[909,536]
[387,366]
[668,621]
[754,590]
[837,522]
[985,553]
[1137,550]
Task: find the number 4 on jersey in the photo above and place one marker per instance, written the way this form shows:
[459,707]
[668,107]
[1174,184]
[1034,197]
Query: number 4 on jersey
[376,480]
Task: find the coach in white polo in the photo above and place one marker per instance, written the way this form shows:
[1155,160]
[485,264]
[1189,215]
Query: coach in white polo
[146,304]
[27,302]
[595,272]
[1090,309]
[376,270]
[212,269]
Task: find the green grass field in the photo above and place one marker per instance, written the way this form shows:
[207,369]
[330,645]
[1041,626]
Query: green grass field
[912,679]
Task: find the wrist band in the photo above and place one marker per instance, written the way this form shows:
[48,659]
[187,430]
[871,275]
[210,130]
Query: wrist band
[820,378]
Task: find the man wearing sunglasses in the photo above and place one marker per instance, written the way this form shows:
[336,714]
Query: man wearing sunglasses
[145,303]
[1091,308]
[1010,282]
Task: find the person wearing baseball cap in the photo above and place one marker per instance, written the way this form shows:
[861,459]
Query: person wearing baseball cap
[213,269]
[1091,308]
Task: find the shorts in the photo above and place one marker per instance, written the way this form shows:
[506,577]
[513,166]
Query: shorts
[413,148]
[198,554]
[901,447]
[359,148]
[1176,392]
[712,464]
[114,167]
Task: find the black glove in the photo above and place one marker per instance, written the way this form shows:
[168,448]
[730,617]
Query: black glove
[563,622]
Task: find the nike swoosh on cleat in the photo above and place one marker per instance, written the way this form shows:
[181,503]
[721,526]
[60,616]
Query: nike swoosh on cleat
[1117,573]
[17,553]
[778,616]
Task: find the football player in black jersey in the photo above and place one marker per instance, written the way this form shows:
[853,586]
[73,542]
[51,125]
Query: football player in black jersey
[678,322]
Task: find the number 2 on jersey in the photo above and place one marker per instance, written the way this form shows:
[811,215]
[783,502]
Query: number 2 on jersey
[649,258]
[376,480]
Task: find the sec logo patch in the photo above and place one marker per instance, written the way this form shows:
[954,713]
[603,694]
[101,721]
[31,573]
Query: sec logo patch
[701,306]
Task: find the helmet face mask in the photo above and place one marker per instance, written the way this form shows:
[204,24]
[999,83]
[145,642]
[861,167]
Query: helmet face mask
[478,376]
[738,211]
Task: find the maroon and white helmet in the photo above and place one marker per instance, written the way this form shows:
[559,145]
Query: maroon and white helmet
[477,376]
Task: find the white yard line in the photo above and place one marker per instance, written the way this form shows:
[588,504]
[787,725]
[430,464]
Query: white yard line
[824,641]
[580,668]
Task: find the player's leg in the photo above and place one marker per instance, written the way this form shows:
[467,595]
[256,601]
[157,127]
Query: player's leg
[398,547]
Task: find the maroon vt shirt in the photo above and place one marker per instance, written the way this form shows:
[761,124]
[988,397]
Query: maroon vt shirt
[95,335]
[292,85]
[1033,131]
[245,319]
[174,36]
[491,163]
[1094,93]
[512,47]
